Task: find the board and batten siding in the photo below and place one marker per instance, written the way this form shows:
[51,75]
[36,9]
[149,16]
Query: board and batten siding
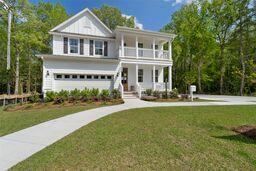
[86,24]
[54,66]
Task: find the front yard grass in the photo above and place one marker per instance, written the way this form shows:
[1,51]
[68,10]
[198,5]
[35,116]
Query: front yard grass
[166,138]
[20,117]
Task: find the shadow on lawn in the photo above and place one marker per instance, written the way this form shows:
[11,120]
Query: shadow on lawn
[238,137]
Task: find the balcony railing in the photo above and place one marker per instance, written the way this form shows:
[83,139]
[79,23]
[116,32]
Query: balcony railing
[144,53]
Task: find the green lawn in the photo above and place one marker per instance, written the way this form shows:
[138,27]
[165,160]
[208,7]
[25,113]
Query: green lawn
[16,120]
[189,138]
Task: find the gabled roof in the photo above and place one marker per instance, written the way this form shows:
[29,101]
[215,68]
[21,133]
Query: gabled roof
[78,15]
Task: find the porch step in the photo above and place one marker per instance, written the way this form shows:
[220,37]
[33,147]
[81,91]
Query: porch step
[130,95]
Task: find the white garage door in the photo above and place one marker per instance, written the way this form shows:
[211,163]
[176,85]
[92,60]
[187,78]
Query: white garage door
[71,82]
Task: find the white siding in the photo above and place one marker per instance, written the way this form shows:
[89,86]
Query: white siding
[77,67]
[57,44]
[86,24]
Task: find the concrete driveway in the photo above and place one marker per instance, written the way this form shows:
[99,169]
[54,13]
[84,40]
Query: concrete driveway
[235,99]
[20,145]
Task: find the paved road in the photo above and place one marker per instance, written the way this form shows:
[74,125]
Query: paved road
[20,145]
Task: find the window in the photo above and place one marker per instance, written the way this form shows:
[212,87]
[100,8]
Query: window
[109,77]
[58,76]
[74,76]
[103,77]
[156,76]
[67,76]
[73,45]
[140,75]
[98,48]
[96,77]
[89,77]
[81,76]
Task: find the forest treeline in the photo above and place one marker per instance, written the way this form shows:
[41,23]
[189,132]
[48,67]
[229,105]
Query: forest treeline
[215,47]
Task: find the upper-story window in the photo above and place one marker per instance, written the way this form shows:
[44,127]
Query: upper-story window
[98,48]
[73,45]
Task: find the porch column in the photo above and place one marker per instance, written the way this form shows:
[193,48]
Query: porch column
[154,48]
[136,74]
[121,88]
[154,75]
[170,77]
[136,45]
[170,50]
[122,45]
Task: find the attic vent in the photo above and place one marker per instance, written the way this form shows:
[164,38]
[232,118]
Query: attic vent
[87,23]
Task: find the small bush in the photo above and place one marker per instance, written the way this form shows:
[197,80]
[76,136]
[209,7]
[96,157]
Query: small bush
[63,94]
[157,94]
[49,96]
[86,95]
[115,93]
[34,98]
[74,95]
[148,98]
[148,92]
[174,93]
[95,94]
[105,95]
[184,96]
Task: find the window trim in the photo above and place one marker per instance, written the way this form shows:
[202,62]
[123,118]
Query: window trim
[78,45]
[102,43]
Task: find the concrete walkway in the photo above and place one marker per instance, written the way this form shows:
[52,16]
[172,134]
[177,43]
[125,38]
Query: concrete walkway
[20,145]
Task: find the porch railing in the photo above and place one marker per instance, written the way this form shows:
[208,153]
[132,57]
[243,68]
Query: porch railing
[144,53]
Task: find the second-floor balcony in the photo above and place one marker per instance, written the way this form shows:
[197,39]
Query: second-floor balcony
[143,44]
[144,53]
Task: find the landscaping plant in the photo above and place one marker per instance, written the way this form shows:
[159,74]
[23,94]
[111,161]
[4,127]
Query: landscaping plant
[115,93]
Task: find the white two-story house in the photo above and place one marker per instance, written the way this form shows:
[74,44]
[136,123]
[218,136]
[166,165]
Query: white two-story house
[86,53]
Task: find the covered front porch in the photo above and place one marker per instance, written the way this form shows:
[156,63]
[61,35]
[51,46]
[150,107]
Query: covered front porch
[139,77]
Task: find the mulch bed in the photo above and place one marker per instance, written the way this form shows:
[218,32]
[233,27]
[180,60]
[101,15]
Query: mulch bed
[246,130]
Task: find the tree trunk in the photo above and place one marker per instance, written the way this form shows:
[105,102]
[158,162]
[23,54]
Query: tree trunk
[199,68]
[17,74]
[222,70]
[29,75]
[243,66]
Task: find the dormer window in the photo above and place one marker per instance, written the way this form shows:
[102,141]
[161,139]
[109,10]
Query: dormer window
[73,45]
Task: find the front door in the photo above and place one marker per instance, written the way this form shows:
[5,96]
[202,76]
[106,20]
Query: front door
[125,79]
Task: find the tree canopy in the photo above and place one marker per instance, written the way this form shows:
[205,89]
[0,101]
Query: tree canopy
[215,44]
[113,17]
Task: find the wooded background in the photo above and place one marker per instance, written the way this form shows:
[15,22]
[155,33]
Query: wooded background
[215,47]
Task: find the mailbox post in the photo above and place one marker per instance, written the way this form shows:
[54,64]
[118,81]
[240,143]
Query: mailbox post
[192,89]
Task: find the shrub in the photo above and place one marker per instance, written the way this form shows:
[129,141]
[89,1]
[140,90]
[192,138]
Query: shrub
[116,94]
[148,98]
[184,96]
[105,95]
[95,93]
[85,94]
[148,92]
[34,98]
[63,94]
[157,94]
[49,96]
[74,95]
[174,93]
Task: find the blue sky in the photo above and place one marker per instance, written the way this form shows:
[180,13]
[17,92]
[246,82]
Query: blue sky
[152,14]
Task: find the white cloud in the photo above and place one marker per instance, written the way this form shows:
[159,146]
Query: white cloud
[136,21]
[176,2]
